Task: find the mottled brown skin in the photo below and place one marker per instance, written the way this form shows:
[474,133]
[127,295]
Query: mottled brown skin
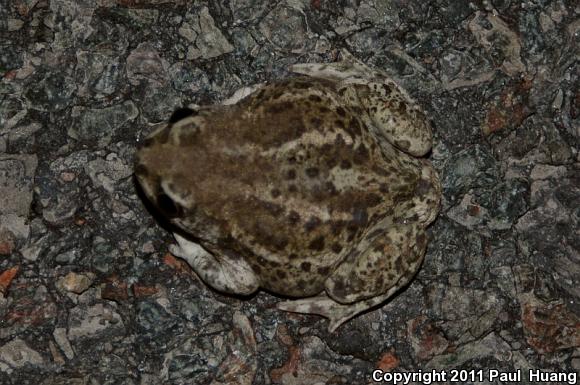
[297,185]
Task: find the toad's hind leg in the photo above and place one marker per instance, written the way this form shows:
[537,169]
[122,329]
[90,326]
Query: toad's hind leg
[225,274]
[369,275]
[396,116]
[393,114]
[337,313]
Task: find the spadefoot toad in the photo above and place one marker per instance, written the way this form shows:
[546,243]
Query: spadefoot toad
[309,187]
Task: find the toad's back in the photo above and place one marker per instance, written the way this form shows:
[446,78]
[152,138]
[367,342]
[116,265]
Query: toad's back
[289,179]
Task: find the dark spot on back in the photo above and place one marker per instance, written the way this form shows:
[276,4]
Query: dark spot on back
[275,108]
[330,188]
[336,247]
[359,216]
[293,217]
[375,233]
[354,127]
[275,193]
[357,111]
[372,200]
[312,172]
[422,187]
[340,111]
[273,209]
[301,85]
[317,244]
[402,108]
[336,227]
[413,218]
[361,154]
[267,236]
[276,93]
[380,283]
[317,122]
[291,174]
[312,223]
[421,239]
[315,98]
[259,94]
[399,265]
[380,171]
[227,243]
[305,266]
[339,290]
[345,164]
[331,159]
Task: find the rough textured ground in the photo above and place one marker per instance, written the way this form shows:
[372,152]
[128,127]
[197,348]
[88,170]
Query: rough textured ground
[89,294]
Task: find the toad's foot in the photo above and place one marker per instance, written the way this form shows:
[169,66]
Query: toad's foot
[347,68]
[336,312]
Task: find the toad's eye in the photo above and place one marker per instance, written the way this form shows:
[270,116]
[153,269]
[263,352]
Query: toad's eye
[168,205]
[181,113]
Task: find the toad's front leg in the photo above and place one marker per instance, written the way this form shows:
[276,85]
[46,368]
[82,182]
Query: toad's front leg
[225,274]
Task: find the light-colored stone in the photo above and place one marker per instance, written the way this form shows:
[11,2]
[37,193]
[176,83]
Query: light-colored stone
[61,339]
[207,41]
[17,354]
[76,282]
[16,179]
[88,322]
